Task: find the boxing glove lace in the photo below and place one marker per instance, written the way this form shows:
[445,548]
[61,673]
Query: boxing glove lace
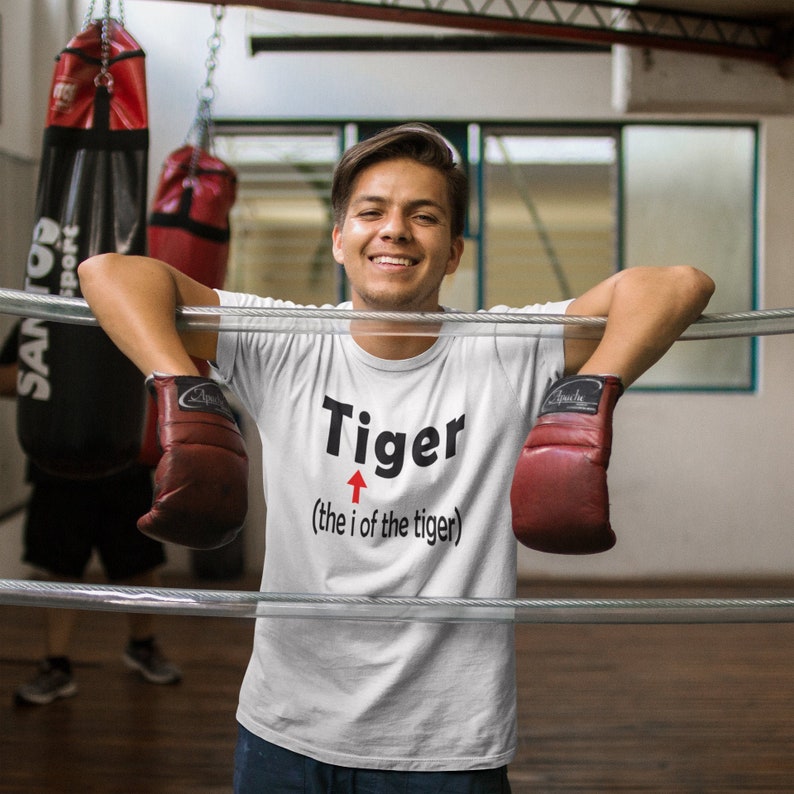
[559,493]
[201,481]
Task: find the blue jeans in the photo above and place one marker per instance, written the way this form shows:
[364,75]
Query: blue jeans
[264,768]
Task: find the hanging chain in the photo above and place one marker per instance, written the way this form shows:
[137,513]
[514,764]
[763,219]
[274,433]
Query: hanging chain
[202,124]
[89,14]
[104,78]
[207,92]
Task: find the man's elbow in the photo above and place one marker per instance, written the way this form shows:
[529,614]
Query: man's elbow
[93,266]
[694,286]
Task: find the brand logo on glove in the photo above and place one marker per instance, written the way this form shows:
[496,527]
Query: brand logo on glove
[206,397]
[579,394]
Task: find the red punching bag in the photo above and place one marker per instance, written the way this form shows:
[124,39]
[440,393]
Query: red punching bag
[81,401]
[189,221]
[189,229]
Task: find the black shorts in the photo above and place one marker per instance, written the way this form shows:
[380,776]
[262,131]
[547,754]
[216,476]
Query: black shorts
[68,519]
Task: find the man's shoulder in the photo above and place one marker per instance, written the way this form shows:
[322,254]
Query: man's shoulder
[549,307]
[232,298]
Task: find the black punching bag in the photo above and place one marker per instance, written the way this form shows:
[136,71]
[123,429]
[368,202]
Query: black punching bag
[81,401]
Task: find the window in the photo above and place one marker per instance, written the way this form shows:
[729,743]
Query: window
[689,197]
[281,221]
[549,212]
[554,210]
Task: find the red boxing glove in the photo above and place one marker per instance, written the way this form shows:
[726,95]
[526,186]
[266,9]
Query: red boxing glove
[201,482]
[559,494]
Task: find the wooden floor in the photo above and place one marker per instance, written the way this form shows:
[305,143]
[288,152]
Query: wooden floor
[602,708]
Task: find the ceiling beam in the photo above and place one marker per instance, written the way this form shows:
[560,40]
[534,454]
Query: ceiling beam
[594,22]
[466,42]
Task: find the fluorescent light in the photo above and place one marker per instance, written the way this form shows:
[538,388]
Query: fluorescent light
[550,150]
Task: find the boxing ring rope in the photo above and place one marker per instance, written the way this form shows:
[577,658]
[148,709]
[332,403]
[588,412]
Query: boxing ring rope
[248,604]
[309,320]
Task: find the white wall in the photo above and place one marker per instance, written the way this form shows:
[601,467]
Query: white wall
[698,481]
[33,31]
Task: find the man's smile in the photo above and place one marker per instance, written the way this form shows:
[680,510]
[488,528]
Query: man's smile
[400,261]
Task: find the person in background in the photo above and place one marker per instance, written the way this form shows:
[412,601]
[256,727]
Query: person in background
[66,521]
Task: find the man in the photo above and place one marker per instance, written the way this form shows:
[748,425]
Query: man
[388,465]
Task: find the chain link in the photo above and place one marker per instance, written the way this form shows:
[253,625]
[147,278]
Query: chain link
[207,92]
[89,14]
[201,129]
[104,78]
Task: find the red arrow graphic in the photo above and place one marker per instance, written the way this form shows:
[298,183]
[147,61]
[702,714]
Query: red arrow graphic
[357,481]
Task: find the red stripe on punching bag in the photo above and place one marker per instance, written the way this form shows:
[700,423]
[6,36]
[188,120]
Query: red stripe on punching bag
[73,93]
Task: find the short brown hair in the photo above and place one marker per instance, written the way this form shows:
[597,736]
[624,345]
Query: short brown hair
[416,141]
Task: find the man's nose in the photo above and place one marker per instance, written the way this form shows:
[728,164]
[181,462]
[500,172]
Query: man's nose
[395,227]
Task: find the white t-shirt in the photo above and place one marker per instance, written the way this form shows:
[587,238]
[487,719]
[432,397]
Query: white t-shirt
[387,477]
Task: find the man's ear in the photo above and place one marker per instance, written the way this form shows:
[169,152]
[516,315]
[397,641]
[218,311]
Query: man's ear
[336,244]
[455,255]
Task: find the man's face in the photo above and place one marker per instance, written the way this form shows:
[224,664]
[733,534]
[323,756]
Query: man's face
[395,242]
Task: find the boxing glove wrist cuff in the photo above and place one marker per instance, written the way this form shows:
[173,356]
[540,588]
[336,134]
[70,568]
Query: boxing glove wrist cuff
[195,393]
[578,394]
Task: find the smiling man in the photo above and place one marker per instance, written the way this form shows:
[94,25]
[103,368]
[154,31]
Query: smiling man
[390,469]
[395,237]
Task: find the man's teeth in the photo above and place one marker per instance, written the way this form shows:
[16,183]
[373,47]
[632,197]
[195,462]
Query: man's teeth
[392,260]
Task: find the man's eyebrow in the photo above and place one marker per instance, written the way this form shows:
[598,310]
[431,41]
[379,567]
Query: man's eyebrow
[367,200]
[413,204]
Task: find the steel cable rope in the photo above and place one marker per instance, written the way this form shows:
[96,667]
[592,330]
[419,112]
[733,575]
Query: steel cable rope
[250,604]
[395,608]
[312,320]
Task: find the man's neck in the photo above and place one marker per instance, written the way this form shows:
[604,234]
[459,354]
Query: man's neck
[396,348]
[394,340]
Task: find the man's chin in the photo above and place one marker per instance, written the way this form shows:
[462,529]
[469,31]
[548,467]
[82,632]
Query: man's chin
[394,301]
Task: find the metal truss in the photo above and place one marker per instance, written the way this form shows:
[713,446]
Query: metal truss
[587,21]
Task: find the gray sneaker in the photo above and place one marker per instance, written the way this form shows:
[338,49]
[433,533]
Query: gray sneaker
[50,684]
[151,664]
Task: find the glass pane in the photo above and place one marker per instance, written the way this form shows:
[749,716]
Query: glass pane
[549,214]
[281,221]
[689,195]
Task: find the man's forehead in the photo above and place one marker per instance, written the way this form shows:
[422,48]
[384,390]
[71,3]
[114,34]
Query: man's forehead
[405,181]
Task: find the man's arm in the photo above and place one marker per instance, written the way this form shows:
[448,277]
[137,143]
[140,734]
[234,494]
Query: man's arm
[559,494]
[8,363]
[647,309]
[201,481]
[135,299]
[8,380]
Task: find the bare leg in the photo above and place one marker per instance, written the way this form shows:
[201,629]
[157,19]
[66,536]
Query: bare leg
[141,625]
[54,679]
[59,625]
[142,653]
